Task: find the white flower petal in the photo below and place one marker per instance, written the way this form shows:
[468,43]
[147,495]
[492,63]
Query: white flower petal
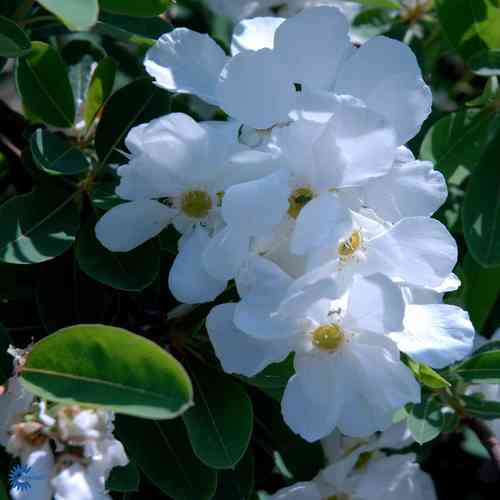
[322,222]
[76,482]
[408,190]
[256,88]
[384,73]
[188,62]
[375,305]
[417,250]
[238,352]
[128,225]
[299,491]
[436,334]
[225,253]
[188,280]
[255,207]
[313,44]
[254,34]
[357,144]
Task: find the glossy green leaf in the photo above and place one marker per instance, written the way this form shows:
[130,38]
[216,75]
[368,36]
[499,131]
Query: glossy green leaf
[481,209]
[100,88]
[137,102]
[470,25]
[426,375]
[163,453]
[13,40]
[103,194]
[480,408]
[425,420]
[384,4]
[142,8]
[136,30]
[37,226]
[486,63]
[76,14]
[131,271]
[491,345]
[220,423]
[455,143]
[55,156]
[124,478]
[236,484]
[472,445]
[482,288]
[483,367]
[110,367]
[42,81]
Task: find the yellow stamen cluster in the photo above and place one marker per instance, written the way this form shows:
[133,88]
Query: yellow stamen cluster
[349,246]
[328,337]
[196,204]
[298,200]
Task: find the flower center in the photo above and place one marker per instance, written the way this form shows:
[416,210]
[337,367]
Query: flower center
[328,337]
[298,200]
[348,247]
[363,459]
[196,204]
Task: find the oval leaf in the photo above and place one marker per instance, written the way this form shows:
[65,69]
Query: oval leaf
[75,14]
[110,367]
[37,226]
[100,88]
[481,209]
[130,271]
[13,40]
[480,408]
[220,423]
[137,102]
[170,463]
[143,8]
[426,420]
[238,483]
[481,368]
[124,478]
[42,81]
[56,156]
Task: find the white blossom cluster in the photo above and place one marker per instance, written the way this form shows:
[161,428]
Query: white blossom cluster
[69,451]
[359,469]
[308,199]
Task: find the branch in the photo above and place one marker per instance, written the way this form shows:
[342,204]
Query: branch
[486,436]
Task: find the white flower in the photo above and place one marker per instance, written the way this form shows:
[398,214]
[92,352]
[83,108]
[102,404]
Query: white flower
[78,482]
[348,373]
[382,478]
[391,84]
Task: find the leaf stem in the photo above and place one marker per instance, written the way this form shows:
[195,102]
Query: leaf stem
[486,436]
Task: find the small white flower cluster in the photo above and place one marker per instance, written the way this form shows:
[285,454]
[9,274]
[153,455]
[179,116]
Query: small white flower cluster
[359,470]
[307,198]
[69,451]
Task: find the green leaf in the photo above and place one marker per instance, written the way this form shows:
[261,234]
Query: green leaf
[384,4]
[482,287]
[481,368]
[137,102]
[455,143]
[220,423]
[425,421]
[103,194]
[78,15]
[470,25]
[480,408]
[489,94]
[55,156]
[236,484]
[139,31]
[486,63]
[13,40]
[130,271]
[426,375]
[100,89]
[163,453]
[491,345]
[42,81]
[37,226]
[124,478]
[481,209]
[144,8]
[110,367]
[472,445]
